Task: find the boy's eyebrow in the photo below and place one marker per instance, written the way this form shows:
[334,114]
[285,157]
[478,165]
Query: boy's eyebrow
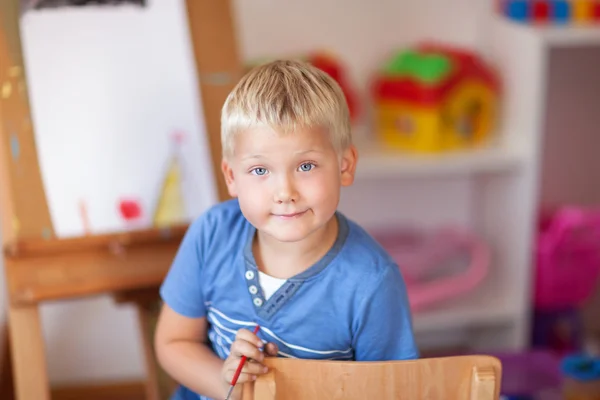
[308,151]
[299,153]
[252,157]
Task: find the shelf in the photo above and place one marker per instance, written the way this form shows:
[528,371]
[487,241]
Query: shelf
[557,35]
[377,161]
[571,36]
[487,305]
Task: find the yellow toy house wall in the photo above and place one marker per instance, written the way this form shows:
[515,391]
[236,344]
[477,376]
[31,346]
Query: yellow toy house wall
[435,129]
[454,108]
[405,126]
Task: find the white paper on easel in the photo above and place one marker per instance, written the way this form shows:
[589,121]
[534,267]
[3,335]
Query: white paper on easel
[109,88]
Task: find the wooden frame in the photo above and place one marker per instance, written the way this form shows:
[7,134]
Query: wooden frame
[39,266]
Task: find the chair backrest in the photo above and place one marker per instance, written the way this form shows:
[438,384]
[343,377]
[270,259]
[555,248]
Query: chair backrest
[460,377]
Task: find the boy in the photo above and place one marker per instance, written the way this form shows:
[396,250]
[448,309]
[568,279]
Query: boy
[280,255]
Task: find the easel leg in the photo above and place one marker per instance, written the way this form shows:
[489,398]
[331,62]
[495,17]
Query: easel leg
[159,385]
[146,327]
[28,355]
[7,388]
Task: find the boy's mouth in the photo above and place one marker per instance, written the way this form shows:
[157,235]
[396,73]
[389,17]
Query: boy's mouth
[290,215]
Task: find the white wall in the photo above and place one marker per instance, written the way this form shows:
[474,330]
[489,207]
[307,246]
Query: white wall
[92,339]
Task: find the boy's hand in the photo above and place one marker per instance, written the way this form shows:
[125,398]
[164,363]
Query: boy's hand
[246,344]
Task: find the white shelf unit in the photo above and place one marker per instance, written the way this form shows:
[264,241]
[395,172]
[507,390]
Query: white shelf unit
[487,305]
[556,35]
[497,186]
[377,161]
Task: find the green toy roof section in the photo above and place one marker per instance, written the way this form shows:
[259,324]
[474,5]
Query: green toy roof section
[429,69]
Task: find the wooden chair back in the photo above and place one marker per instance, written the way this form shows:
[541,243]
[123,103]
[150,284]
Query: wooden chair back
[447,378]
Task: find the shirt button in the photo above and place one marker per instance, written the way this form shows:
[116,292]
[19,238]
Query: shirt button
[249,275]
[257,302]
[253,289]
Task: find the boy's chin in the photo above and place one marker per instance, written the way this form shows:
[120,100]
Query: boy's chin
[291,236]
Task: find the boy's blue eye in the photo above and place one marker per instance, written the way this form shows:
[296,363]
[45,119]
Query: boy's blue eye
[306,167]
[259,171]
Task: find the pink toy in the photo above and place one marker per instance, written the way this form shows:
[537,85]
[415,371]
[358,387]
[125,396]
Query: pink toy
[568,258]
[437,266]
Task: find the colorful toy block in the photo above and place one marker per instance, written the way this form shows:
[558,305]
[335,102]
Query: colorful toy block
[557,12]
[434,98]
[540,10]
[581,377]
[517,10]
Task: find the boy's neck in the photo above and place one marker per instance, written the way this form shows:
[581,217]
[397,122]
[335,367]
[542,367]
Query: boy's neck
[285,260]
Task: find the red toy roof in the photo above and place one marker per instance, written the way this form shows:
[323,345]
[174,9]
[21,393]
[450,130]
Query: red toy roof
[465,65]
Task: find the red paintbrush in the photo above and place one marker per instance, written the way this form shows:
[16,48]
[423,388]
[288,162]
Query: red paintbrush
[239,370]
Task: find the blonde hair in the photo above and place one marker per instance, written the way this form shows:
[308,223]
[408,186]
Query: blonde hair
[286,95]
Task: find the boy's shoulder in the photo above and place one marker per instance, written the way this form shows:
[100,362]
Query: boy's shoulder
[221,214]
[368,271]
[364,252]
[224,211]
[220,223]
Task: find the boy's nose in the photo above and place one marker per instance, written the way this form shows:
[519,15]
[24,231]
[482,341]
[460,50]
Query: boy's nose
[285,192]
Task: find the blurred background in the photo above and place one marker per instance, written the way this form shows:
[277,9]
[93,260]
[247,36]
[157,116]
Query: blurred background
[477,126]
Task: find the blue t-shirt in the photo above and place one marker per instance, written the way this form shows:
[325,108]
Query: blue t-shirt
[351,305]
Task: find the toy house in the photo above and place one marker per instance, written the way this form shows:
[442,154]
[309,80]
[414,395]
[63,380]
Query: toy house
[434,98]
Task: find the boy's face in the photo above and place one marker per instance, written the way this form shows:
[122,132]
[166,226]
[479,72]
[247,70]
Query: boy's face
[288,186]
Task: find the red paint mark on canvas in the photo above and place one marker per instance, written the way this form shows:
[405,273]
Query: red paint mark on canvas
[130,209]
[85,218]
[178,136]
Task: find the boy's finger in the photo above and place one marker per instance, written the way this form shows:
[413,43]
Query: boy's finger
[245,334]
[255,369]
[249,369]
[241,348]
[244,377]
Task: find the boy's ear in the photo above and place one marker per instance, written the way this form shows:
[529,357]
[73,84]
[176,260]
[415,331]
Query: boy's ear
[229,178]
[349,161]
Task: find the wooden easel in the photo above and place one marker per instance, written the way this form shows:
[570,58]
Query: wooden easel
[39,266]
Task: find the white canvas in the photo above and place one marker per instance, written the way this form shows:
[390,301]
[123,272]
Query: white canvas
[109,87]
